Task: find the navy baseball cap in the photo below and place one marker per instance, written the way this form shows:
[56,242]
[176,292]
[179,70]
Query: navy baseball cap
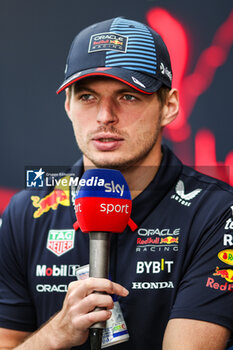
[123,49]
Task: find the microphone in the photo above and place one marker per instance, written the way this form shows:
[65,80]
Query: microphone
[103,206]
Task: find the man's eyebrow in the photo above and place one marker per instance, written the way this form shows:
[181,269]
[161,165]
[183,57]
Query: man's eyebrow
[127,89]
[80,88]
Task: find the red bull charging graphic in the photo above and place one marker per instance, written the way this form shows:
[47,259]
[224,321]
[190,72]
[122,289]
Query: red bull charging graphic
[59,196]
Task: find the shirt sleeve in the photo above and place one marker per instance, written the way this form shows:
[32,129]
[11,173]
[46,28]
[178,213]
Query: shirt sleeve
[16,308]
[205,290]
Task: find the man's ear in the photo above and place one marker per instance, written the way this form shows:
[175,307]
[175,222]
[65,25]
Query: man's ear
[67,102]
[170,109]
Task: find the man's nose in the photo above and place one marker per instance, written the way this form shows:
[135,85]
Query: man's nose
[107,113]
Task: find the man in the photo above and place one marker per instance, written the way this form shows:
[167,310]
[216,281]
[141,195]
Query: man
[173,274]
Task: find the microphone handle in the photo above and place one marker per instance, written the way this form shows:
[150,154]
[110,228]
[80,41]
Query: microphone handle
[99,260]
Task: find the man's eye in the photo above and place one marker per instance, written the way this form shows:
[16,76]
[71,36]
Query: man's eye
[86,97]
[129,98]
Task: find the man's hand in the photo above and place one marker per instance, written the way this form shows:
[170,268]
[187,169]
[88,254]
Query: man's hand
[72,323]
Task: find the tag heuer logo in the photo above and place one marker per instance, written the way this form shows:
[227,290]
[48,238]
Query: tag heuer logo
[60,241]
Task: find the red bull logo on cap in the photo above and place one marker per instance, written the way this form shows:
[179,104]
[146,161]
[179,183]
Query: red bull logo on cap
[60,195]
[116,42]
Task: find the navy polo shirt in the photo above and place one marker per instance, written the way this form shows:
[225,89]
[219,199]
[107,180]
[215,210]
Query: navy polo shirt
[177,264]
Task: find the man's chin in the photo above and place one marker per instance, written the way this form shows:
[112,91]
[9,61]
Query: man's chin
[117,164]
[110,165]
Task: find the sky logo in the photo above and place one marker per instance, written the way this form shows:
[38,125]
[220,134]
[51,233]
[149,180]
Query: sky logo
[112,187]
[35,178]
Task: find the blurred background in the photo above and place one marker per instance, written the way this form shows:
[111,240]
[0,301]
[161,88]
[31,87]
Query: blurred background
[34,42]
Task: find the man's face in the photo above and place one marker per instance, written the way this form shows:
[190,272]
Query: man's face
[115,126]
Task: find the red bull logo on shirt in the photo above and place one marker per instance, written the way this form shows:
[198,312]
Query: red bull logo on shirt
[169,240]
[60,195]
[227,274]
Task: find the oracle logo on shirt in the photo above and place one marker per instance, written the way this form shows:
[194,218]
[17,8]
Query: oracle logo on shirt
[51,288]
[159,232]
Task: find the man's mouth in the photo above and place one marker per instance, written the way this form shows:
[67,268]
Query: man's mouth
[107,139]
[107,142]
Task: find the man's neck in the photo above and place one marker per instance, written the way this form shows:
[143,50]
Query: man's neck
[140,176]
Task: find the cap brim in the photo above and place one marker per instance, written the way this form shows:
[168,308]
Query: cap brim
[136,80]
